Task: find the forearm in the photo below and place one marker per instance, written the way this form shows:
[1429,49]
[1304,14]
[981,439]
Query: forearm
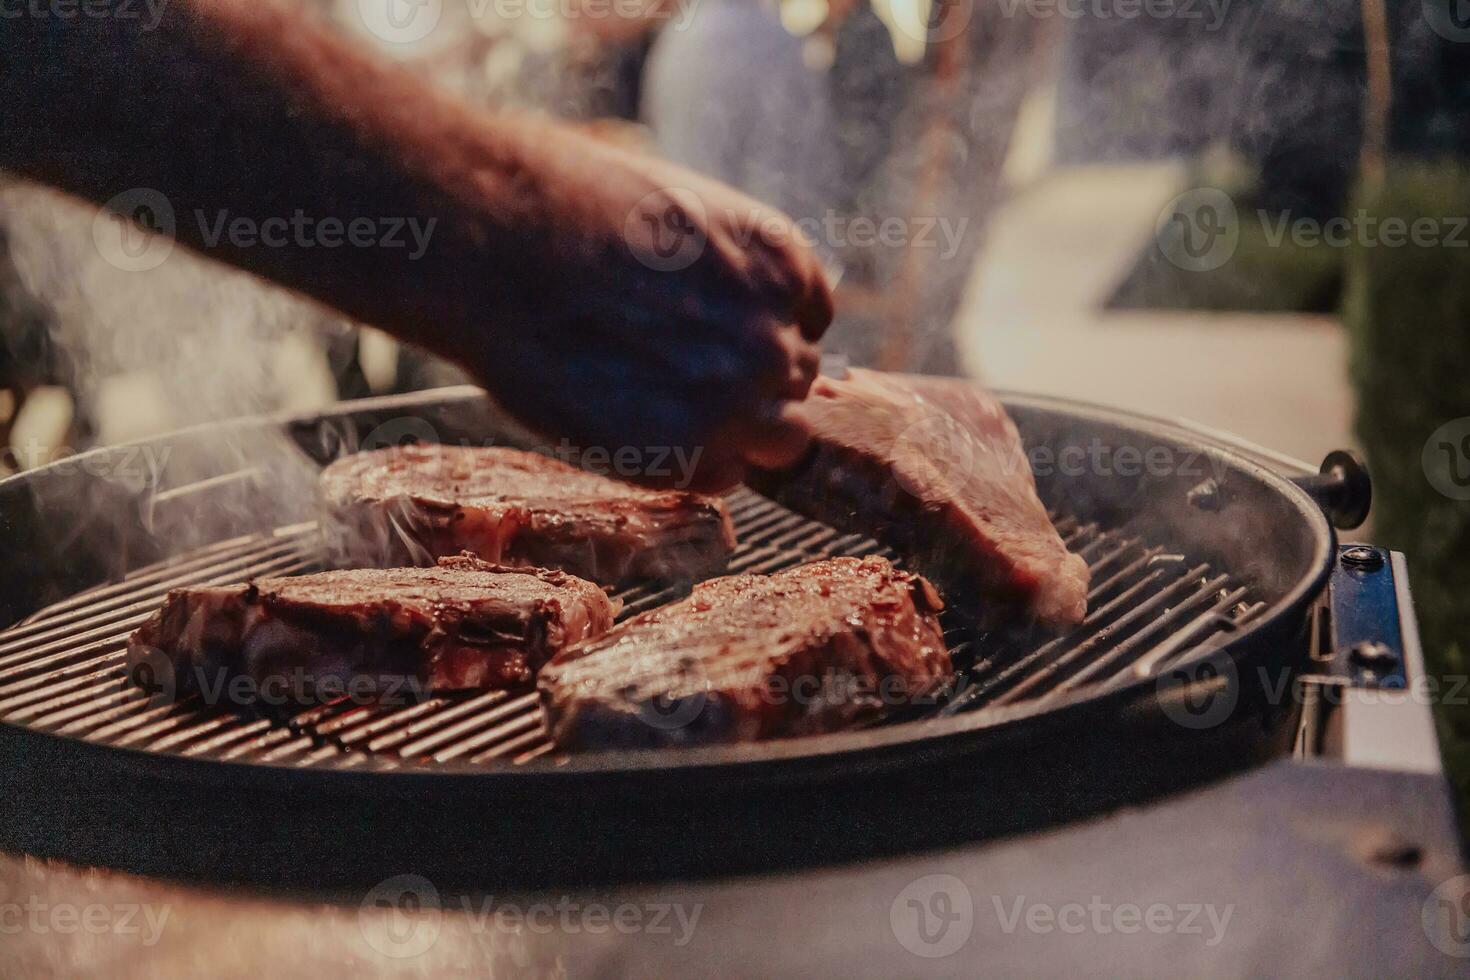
[250,119]
[599,294]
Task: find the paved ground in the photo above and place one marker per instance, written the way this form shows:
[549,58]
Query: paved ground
[1033,321]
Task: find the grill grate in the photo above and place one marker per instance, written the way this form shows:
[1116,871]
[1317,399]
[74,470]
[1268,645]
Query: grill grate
[62,669]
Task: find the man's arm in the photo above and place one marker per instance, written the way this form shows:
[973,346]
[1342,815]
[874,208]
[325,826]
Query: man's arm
[600,295]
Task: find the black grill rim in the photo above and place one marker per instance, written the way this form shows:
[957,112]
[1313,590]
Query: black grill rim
[868,751]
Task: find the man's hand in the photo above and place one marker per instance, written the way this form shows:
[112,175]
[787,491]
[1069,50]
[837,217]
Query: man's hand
[679,313]
[601,296]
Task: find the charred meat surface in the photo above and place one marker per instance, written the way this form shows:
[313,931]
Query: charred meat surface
[415,503]
[810,649]
[936,469]
[462,624]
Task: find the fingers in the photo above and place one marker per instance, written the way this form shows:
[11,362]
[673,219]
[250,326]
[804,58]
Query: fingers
[717,475]
[794,365]
[815,308]
[801,284]
[709,356]
[774,438]
[778,264]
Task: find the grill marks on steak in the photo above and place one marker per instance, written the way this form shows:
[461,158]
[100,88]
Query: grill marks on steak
[810,649]
[462,624]
[414,503]
[936,469]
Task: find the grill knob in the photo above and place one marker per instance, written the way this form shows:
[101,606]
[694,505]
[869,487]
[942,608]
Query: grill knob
[1361,557]
[1372,654]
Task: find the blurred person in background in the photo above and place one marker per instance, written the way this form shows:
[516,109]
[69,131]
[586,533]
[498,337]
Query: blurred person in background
[730,95]
[881,129]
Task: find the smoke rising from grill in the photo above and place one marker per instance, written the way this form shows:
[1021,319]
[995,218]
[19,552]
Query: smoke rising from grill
[200,343]
[920,135]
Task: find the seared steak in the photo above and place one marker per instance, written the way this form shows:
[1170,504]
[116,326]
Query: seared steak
[463,624]
[746,657]
[935,468]
[414,503]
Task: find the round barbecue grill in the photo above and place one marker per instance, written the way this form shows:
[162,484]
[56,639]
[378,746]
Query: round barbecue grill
[1206,564]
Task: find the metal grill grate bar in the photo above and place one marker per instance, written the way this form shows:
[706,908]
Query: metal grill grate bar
[40,713]
[1128,607]
[134,583]
[504,707]
[1120,651]
[112,608]
[62,670]
[138,612]
[449,711]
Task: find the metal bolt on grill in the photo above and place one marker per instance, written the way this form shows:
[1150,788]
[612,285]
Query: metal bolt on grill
[62,669]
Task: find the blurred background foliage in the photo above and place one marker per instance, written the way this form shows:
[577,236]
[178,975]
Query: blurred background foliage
[1408,310]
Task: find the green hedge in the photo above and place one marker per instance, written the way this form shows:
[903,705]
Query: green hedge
[1408,311]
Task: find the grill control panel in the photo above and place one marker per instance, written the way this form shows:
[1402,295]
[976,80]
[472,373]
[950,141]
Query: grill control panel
[1367,697]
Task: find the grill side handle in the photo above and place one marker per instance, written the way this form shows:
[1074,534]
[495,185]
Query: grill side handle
[1366,698]
[1342,488]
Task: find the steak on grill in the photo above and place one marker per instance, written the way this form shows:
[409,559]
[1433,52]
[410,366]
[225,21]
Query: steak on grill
[462,624]
[935,468]
[746,657]
[410,504]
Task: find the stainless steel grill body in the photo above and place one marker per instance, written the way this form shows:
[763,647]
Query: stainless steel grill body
[1197,566]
